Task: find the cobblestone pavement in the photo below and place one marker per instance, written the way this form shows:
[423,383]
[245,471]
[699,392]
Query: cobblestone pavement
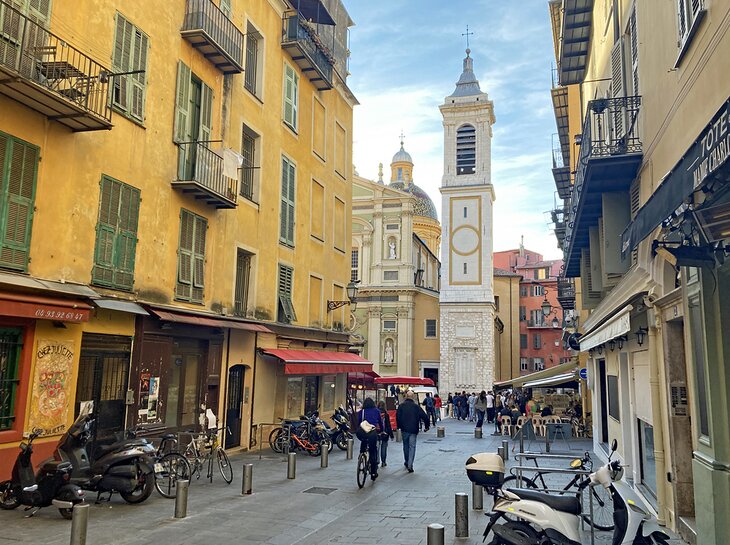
[394,510]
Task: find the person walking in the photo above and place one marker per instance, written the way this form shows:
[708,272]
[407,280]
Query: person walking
[480,406]
[490,406]
[430,405]
[408,417]
[437,402]
[464,405]
[450,405]
[386,434]
[369,439]
[472,401]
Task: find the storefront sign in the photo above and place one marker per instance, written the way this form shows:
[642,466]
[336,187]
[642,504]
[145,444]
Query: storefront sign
[43,311]
[50,400]
[713,147]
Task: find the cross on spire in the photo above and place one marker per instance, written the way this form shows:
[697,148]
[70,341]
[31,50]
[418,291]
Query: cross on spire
[402,136]
[467,34]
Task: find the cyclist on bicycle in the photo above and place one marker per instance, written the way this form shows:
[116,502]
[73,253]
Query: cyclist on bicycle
[369,439]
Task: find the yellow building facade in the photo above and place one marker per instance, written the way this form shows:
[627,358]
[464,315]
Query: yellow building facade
[174,203]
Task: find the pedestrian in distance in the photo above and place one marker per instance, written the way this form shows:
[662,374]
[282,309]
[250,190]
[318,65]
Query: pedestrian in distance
[437,401]
[369,440]
[490,407]
[450,405]
[430,405]
[408,417]
[386,434]
[464,405]
[480,406]
[472,412]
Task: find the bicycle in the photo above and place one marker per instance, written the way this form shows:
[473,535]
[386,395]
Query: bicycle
[602,500]
[203,448]
[170,467]
[363,468]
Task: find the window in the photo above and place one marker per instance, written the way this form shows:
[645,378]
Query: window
[465,268]
[191,258]
[116,235]
[523,314]
[294,396]
[130,54]
[465,211]
[539,364]
[10,345]
[340,150]
[243,281]
[538,291]
[536,317]
[291,97]
[339,225]
[389,325]
[689,15]
[193,123]
[319,129]
[249,168]
[18,173]
[613,401]
[355,265]
[523,291]
[251,79]
[536,341]
[466,140]
[329,387]
[633,43]
[523,341]
[288,195]
[430,329]
[496,303]
[523,364]
[646,455]
[285,312]
[400,173]
[316,218]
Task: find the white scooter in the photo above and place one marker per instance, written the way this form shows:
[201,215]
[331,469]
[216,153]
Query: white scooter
[538,518]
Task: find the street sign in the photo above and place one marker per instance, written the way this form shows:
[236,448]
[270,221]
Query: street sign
[584,373]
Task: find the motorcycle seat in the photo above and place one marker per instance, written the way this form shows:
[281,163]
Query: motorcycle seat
[566,504]
[56,465]
[169,436]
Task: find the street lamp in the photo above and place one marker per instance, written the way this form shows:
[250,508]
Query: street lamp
[546,307]
[556,323]
[351,296]
[640,334]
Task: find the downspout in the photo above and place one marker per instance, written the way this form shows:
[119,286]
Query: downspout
[225,392]
[511,332]
[253,387]
[657,418]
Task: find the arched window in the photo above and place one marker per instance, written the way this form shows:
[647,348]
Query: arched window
[466,154]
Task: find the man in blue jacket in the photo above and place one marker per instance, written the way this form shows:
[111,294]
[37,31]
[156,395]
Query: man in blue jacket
[407,417]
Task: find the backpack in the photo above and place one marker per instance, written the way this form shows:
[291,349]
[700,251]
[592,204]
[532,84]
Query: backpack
[428,402]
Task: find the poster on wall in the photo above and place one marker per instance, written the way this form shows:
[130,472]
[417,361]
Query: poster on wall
[144,394]
[152,398]
[50,399]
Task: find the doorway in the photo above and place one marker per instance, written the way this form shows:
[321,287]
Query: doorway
[311,394]
[432,373]
[603,399]
[234,405]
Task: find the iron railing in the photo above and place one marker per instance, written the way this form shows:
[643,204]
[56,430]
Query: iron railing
[566,292]
[199,164]
[204,15]
[298,30]
[37,55]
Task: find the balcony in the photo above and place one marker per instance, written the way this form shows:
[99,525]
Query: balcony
[609,157]
[49,75]
[301,40]
[200,174]
[559,223]
[576,24]
[566,293]
[209,31]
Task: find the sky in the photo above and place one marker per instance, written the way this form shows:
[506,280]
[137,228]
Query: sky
[406,56]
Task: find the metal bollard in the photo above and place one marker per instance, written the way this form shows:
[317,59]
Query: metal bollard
[291,465]
[181,500]
[79,523]
[505,446]
[435,534]
[324,456]
[350,443]
[246,485]
[477,497]
[440,431]
[477,433]
[398,436]
[501,452]
[461,514]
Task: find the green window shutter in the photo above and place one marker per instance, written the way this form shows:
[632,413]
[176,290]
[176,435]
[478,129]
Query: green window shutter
[19,169]
[182,101]
[226,7]
[185,255]
[126,239]
[291,82]
[201,226]
[121,62]
[139,62]
[288,192]
[40,11]
[286,306]
[103,271]
[206,114]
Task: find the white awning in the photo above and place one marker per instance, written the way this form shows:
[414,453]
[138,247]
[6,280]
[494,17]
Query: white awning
[615,327]
[552,381]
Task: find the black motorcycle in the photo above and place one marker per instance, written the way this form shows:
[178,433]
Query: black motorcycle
[341,433]
[126,467]
[50,486]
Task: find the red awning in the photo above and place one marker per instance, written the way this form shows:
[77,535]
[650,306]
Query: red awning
[410,381]
[206,321]
[44,308]
[313,362]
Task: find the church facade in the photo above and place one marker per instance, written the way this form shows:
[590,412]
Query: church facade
[467,306]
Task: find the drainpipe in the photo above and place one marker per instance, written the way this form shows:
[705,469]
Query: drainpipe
[656,409]
[253,387]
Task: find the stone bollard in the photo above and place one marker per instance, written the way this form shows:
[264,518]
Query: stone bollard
[477,497]
[435,534]
[398,436]
[350,444]
[247,483]
[477,433]
[505,446]
[325,456]
[291,465]
[181,499]
[80,523]
[440,431]
[461,514]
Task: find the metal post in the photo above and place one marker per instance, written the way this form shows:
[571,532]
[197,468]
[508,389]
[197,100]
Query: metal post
[350,443]
[246,485]
[590,504]
[505,446]
[477,433]
[181,500]
[477,497]
[291,465]
[440,431]
[324,456]
[461,514]
[398,436]
[547,439]
[79,523]
[435,534]
[500,451]
[522,440]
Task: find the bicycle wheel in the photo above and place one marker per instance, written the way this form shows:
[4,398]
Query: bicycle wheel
[512,482]
[362,469]
[275,440]
[224,465]
[602,509]
[169,470]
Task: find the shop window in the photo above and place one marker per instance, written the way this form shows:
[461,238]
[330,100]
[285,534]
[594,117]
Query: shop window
[646,455]
[294,397]
[191,258]
[329,389]
[10,345]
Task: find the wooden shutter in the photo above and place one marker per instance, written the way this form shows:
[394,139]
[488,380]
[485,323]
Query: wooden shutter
[201,226]
[682,20]
[206,114]
[19,170]
[137,81]
[634,45]
[618,88]
[286,281]
[126,243]
[291,83]
[103,271]
[288,195]
[122,62]
[10,30]
[226,7]
[185,255]
[40,11]
[182,102]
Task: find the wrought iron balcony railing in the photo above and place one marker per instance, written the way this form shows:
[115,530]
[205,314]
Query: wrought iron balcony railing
[48,74]
[300,39]
[200,173]
[208,29]
[566,292]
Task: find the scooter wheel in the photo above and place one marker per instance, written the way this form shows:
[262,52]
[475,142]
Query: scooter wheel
[66,512]
[144,488]
[342,441]
[8,499]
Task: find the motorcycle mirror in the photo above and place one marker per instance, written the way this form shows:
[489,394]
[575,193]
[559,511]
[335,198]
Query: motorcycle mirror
[614,445]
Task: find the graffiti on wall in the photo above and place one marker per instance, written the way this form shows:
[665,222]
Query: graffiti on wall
[50,398]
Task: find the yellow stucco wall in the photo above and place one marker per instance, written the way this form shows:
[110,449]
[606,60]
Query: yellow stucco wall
[507,288]
[426,307]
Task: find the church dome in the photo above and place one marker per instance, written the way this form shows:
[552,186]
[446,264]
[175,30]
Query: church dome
[402,156]
[424,205]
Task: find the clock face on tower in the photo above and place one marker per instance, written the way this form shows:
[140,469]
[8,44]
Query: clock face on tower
[465,241]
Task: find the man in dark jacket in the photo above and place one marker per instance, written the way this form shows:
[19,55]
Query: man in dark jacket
[407,417]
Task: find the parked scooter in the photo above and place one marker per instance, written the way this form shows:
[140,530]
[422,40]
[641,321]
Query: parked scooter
[50,486]
[126,467]
[341,432]
[538,518]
